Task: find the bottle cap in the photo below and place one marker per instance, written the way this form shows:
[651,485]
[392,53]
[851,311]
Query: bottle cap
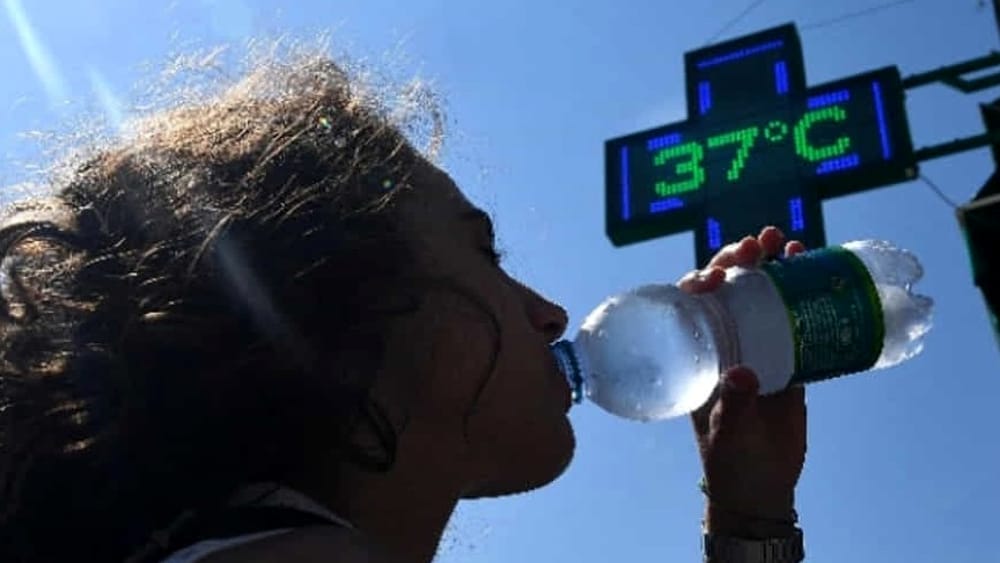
[569,365]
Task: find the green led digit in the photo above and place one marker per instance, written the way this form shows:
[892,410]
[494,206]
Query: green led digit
[815,154]
[746,139]
[694,155]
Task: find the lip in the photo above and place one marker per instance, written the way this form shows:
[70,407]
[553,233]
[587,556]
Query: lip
[563,386]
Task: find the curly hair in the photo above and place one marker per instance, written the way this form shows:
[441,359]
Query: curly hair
[194,306]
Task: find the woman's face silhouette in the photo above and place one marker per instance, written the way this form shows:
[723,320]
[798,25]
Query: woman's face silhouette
[471,370]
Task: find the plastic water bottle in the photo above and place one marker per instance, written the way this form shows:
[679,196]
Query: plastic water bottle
[657,352]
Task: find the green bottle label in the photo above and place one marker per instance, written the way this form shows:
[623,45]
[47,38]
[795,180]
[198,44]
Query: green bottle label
[834,310]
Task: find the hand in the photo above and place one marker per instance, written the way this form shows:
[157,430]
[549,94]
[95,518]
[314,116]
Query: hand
[752,448]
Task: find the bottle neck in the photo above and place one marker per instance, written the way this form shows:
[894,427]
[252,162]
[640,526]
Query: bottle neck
[571,367]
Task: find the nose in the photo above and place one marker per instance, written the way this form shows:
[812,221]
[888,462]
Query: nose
[545,316]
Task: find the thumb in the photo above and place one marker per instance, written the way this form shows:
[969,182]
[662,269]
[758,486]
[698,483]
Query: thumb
[737,399]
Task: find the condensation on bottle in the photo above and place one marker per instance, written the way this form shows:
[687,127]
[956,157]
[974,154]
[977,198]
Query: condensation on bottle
[657,352]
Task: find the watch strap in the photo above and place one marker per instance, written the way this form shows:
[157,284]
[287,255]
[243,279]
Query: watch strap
[725,549]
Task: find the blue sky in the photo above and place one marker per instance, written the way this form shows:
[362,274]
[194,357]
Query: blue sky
[902,464]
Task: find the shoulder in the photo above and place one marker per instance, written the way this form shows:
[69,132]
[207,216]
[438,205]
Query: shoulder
[312,544]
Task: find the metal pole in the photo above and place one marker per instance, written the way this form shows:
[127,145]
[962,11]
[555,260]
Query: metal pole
[951,74]
[956,146]
[996,14]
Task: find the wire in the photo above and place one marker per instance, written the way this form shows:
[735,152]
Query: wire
[731,23]
[809,26]
[853,15]
[951,203]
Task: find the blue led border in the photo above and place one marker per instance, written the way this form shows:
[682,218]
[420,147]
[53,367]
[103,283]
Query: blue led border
[883,127]
[665,205]
[741,54]
[828,99]
[714,234]
[663,141]
[797,214]
[781,77]
[839,164]
[704,97]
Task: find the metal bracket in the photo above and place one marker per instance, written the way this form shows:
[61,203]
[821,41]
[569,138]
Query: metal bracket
[951,75]
[957,146]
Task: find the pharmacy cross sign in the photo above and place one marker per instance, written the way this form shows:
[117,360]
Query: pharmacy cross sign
[759,148]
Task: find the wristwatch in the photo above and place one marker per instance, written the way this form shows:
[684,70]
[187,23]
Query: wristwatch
[724,549]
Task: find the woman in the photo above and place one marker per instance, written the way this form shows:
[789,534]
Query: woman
[264,328]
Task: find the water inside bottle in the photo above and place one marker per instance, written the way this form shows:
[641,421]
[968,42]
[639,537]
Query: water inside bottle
[907,315]
[650,354]
[907,320]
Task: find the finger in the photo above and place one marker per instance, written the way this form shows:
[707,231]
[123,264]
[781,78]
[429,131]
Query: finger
[701,281]
[747,252]
[702,416]
[772,240]
[794,247]
[737,402]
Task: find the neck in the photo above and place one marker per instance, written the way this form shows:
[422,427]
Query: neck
[404,516]
[403,511]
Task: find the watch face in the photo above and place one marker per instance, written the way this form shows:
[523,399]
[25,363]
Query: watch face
[719,549]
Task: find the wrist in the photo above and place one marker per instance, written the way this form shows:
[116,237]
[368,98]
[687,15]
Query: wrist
[751,519]
[720,521]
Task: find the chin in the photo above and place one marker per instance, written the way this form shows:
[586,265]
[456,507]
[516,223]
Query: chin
[548,463]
